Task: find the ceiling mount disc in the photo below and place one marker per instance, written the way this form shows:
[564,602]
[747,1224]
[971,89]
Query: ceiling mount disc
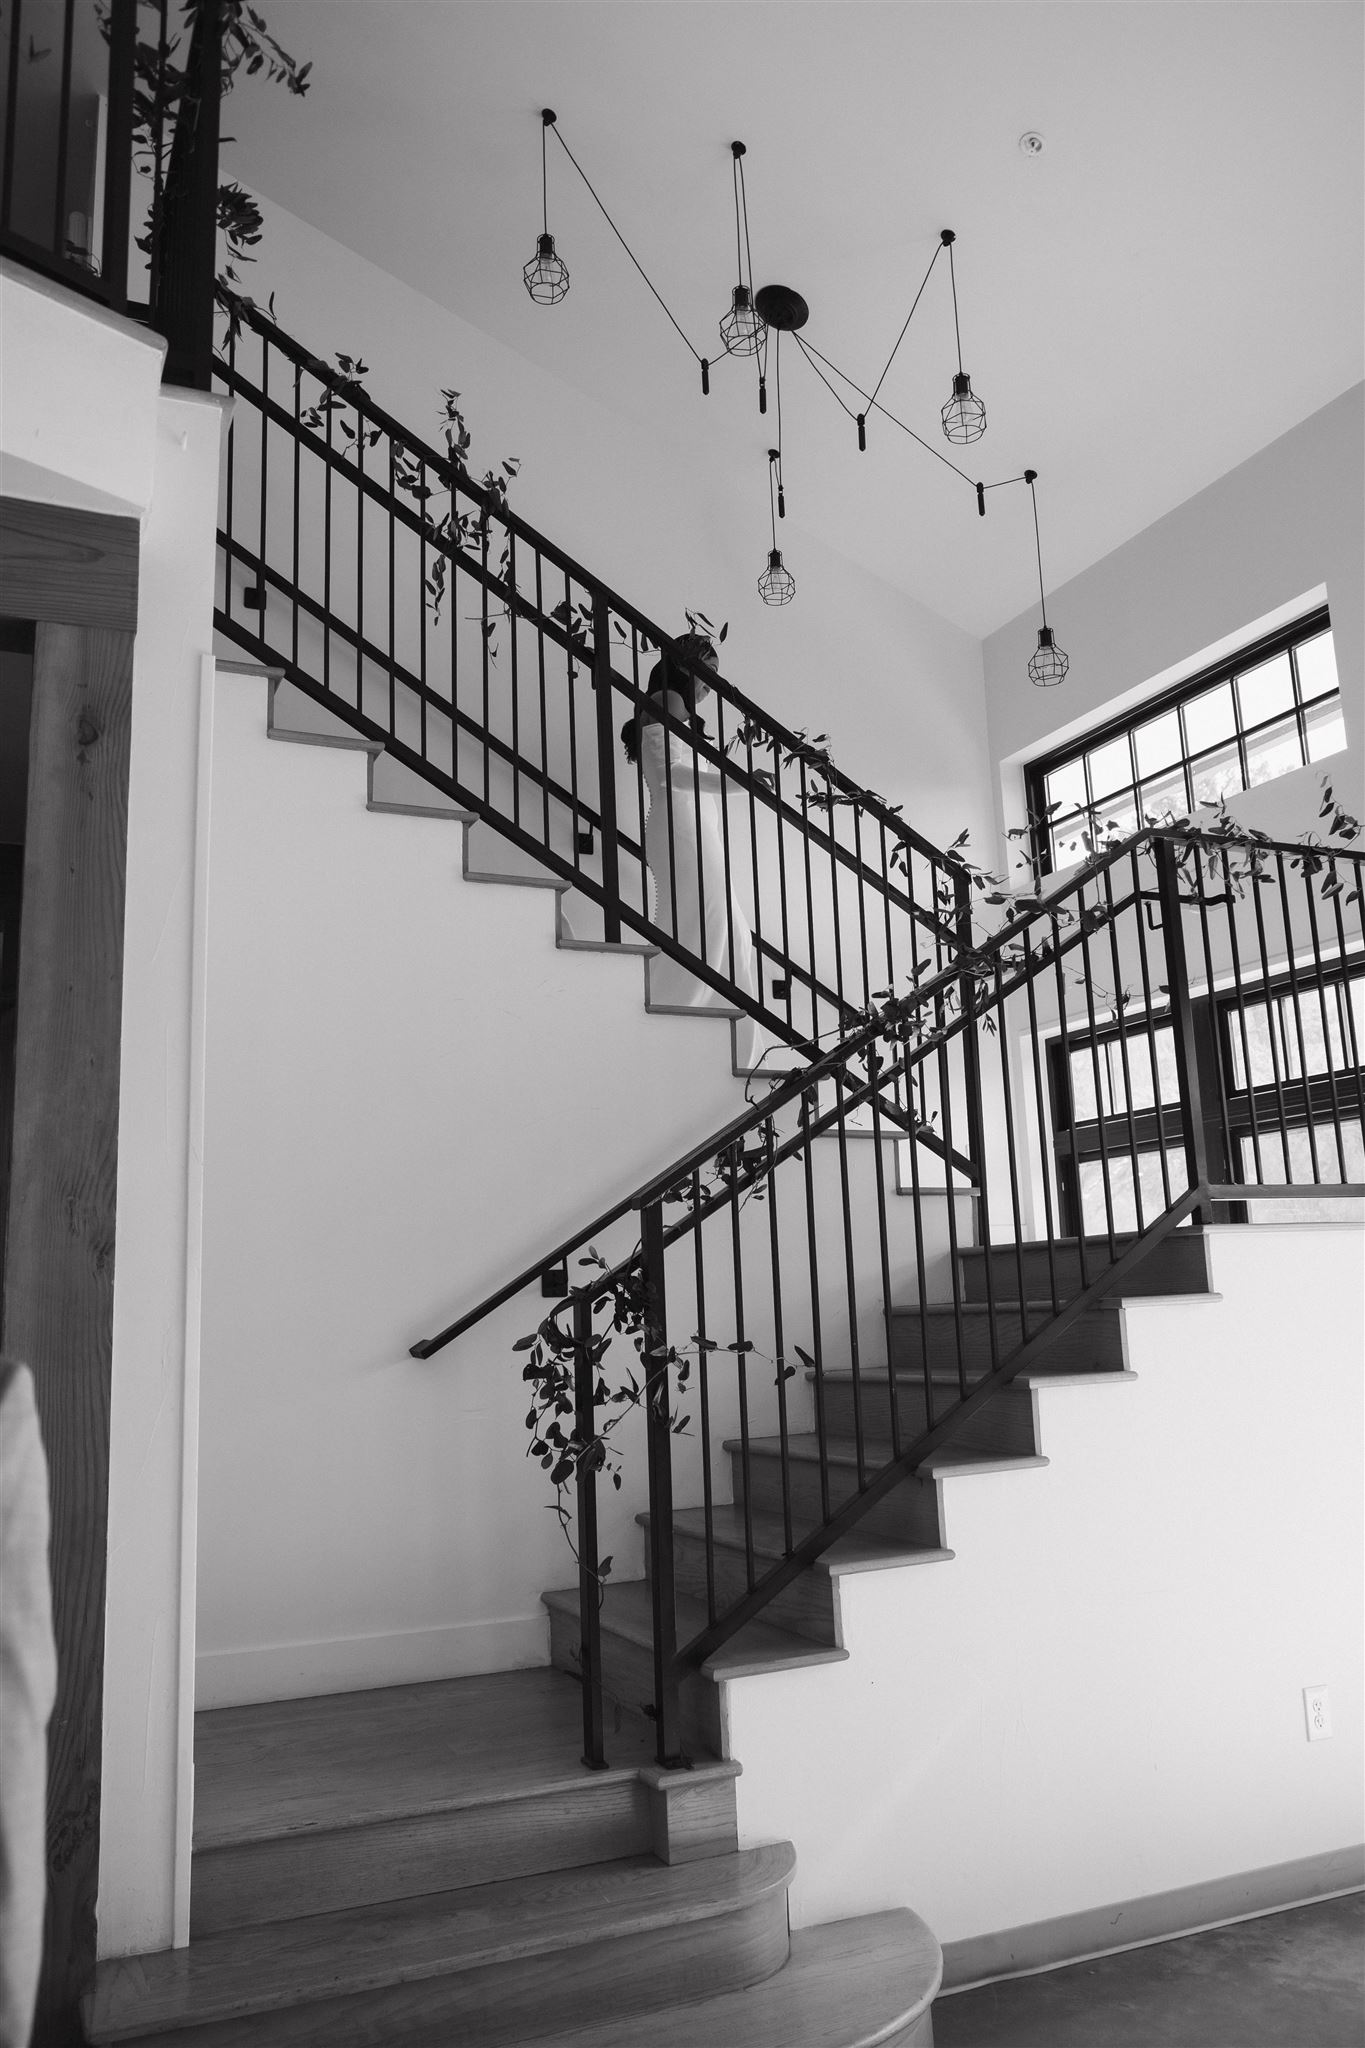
[781,307]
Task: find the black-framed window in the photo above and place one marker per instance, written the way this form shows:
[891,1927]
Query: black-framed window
[1118,1128]
[1272,707]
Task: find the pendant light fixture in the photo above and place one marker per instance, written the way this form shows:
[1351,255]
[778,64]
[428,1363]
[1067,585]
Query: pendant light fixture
[1048,665]
[964,416]
[776,585]
[546,276]
[741,330]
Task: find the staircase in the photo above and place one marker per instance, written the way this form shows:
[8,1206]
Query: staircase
[438,1862]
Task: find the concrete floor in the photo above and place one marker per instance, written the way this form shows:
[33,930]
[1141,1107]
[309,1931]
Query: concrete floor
[1291,1980]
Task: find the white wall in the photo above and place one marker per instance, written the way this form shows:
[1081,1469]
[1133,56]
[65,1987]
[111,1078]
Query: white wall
[1101,1696]
[149,1615]
[1274,529]
[78,399]
[897,688]
[411,1094]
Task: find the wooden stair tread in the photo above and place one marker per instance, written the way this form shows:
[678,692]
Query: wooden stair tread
[329,1955]
[627,1610]
[344,1759]
[850,1984]
[850,1553]
[975,1310]
[842,1453]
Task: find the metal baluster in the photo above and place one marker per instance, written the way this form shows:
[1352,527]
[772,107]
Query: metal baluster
[945,1094]
[1347,1007]
[1321,984]
[1140,914]
[360,560]
[1186,1059]
[734,1158]
[516,676]
[809,1110]
[1103,1082]
[486,635]
[850,1278]
[659,1437]
[1273,1024]
[722,805]
[298,517]
[589,1579]
[327,542]
[1047,1159]
[118,174]
[704,1396]
[545,721]
[1068,1083]
[1007,1104]
[810,904]
[1234,1160]
[393,597]
[1121,1018]
[779,1347]
[1298,1034]
[874,1067]
[262,585]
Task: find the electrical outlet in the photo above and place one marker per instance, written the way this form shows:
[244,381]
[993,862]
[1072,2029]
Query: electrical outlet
[1317,1712]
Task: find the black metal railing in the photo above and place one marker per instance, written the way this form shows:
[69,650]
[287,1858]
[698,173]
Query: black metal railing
[826,1321]
[408,600]
[109,159]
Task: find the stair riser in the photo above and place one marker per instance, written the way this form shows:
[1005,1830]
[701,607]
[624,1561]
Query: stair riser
[908,1514]
[806,1606]
[1003,1424]
[1177,1265]
[282,1879]
[628,1676]
[1093,1343]
[510,2002]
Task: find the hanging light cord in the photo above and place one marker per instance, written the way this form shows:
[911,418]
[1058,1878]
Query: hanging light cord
[808,349]
[952,272]
[772,502]
[1030,476]
[938,249]
[544,181]
[744,209]
[695,353]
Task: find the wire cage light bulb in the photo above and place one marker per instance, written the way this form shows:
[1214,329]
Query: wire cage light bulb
[546,275]
[1048,665]
[741,330]
[776,585]
[964,416]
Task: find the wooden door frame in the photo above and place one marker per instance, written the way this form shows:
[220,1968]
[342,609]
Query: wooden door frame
[74,576]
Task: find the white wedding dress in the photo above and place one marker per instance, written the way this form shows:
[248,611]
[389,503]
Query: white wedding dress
[687,868]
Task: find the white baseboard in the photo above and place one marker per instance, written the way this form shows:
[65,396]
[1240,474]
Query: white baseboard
[286,1671]
[1191,1909]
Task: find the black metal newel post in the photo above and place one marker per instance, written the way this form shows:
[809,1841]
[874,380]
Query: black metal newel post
[589,1583]
[604,694]
[1182,1023]
[659,1431]
[189,212]
[971,1052]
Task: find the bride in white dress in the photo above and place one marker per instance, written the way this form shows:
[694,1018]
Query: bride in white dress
[685,842]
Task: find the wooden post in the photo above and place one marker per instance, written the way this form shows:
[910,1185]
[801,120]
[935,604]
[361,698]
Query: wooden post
[75,574]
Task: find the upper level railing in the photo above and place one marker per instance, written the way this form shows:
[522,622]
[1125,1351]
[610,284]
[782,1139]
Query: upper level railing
[413,604]
[109,120]
[1178,1030]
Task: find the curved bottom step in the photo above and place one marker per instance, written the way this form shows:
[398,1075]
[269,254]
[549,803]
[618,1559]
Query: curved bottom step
[865,1983]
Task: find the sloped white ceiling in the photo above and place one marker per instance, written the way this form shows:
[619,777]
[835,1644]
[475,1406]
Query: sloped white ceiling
[1176,281]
